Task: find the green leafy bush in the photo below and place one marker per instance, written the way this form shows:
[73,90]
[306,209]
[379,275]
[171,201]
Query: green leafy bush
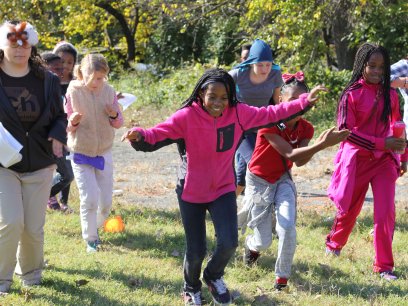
[166,91]
[323,115]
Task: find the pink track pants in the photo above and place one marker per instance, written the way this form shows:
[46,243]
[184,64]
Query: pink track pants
[382,174]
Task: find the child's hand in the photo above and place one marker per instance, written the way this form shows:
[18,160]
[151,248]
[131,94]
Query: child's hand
[111,111]
[403,168]
[332,137]
[395,144]
[312,97]
[75,118]
[57,147]
[131,135]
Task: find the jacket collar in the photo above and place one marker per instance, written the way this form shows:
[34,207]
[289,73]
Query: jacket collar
[198,107]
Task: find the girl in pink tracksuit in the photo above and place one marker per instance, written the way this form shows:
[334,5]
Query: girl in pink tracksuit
[208,128]
[368,107]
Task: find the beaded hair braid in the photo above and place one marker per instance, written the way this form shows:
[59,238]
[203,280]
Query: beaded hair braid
[360,62]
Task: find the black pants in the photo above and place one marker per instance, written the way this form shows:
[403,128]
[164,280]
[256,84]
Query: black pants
[62,180]
[223,213]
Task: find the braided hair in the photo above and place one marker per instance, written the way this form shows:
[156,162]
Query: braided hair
[212,76]
[362,56]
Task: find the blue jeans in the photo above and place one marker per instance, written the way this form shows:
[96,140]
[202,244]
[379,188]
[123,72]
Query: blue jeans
[243,156]
[62,180]
[223,213]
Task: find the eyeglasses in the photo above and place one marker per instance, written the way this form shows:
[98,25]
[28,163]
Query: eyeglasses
[18,39]
[16,45]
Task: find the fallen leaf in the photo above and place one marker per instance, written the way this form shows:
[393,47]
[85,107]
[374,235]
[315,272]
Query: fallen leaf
[235,294]
[81,282]
[159,233]
[259,290]
[134,282]
[26,293]
[261,298]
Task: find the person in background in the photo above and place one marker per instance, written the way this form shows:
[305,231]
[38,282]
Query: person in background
[207,129]
[270,189]
[258,81]
[69,56]
[93,115]
[62,181]
[31,110]
[399,79]
[245,52]
[368,107]
[64,176]
[53,63]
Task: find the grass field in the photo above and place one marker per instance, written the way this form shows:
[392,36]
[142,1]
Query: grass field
[143,265]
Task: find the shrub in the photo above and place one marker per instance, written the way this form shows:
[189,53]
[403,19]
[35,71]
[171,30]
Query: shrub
[323,115]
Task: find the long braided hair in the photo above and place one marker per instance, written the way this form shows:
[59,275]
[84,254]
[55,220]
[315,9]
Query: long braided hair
[211,76]
[362,56]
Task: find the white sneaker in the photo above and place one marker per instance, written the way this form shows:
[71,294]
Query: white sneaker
[92,246]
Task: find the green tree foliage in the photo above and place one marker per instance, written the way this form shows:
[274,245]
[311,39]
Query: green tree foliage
[168,33]
[310,31]
[200,31]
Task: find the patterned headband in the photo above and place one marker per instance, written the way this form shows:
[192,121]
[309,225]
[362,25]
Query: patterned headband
[22,34]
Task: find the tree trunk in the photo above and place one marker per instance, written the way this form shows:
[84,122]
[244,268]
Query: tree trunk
[341,28]
[129,36]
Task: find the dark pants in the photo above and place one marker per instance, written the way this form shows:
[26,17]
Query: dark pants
[62,180]
[243,156]
[223,213]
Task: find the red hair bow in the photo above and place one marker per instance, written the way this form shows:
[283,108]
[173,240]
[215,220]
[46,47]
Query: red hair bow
[287,77]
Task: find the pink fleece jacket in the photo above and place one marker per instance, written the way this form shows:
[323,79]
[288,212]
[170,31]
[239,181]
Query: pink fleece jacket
[211,142]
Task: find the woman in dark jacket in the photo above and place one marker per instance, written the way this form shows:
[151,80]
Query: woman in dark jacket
[31,111]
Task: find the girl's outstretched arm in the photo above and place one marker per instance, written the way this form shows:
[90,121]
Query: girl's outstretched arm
[165,133]
[253,118]
[131,135]
[302,155]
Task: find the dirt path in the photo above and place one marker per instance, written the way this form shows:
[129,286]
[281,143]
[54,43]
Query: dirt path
[149,178]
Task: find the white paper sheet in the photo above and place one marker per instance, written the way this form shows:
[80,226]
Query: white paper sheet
[9,148]
[127,100]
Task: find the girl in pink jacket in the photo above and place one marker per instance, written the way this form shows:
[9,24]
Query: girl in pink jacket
[208,128]
[368,107]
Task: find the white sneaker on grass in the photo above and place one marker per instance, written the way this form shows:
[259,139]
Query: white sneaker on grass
[92,246]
